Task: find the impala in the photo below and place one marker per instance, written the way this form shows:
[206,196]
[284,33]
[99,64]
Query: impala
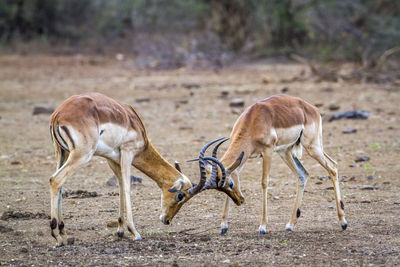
[94,124]
[281,124]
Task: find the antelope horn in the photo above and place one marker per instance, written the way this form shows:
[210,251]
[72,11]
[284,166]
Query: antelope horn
[215,171]
[202,164]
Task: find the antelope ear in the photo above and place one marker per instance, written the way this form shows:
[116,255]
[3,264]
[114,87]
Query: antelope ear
[178,186]
[177,166]
[236,164]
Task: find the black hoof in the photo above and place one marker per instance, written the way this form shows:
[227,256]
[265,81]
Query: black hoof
[120,234]
[262,232]
[344,226]
[224,230]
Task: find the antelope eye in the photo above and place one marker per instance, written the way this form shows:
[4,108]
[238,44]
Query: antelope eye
[179,197]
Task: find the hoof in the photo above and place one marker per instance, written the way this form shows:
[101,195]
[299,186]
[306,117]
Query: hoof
[289,228]
[344,226]
[138,238]
[262,232]
[120,234]
[224,230]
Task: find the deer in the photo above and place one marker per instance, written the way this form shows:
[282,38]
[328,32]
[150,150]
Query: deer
[282,124]
[92,124]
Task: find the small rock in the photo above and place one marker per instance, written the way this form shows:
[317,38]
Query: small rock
[365,201]
[369,187]
[42,110]
[352,165]
[349,130]
[190,85]
[112,224]
[386,182]
[351,114]
[285,89]
[330,207]
[267,80]
[15,162]
[236,102]
[24,249]
[362,158]
[275,197]
[333,107]
[371,178]
[141,100]
[224,93]
[186,127]
[327,89]
[70,241]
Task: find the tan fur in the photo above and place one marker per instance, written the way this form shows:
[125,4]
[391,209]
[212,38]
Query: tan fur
[283,124]
[94,124]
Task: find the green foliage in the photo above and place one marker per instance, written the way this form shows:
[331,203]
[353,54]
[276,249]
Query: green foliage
[331,29]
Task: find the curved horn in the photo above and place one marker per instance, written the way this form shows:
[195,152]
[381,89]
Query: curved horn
[214,172]
[221,166]
[202,166]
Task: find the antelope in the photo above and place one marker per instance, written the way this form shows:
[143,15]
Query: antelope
[281,124]
[93,124]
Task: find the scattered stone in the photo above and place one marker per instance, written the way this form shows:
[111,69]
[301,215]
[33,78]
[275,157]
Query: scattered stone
[352,165]
[42,110]
[333,107]
[387,182]
[236,102]
[113,180]
[267,80]
[369,187]
[112,224]
[327,89]
[141,100]
[330,207]
[79,194]
[371,178]
[362,159]
[275,197]
[190,85]
[5,229]
[329,188]
[70,240]
[224,93]
[285,89]
[15,162]
[349,130]
[72,202]
[318,183]
[186,127]
[243,91]
[365,201]
[351,114]
[24,249]
[18,215]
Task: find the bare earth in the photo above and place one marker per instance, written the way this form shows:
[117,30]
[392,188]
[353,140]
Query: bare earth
[182,110]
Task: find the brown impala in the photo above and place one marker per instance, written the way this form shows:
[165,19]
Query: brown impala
[94,124]
[283,124]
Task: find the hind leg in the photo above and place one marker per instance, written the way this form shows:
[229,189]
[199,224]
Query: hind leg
[298,169]
[73,162]
[61,157]
[116,168]
[316,151]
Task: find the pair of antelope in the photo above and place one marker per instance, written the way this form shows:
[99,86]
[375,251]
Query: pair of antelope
[94,124]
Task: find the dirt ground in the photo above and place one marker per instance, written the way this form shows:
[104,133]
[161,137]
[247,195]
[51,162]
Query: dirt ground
[182,110]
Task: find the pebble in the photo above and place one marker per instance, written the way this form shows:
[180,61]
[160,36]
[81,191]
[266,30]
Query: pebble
[362,158]
[24,249]
[369,187]
[71,240]
[349,130]
[236,102]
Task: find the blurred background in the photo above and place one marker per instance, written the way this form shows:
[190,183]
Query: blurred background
[168,34]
